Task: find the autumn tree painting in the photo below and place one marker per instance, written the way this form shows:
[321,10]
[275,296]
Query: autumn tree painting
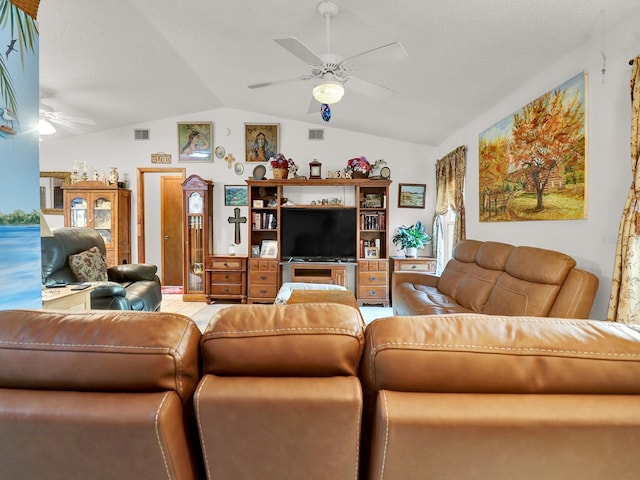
[532,165]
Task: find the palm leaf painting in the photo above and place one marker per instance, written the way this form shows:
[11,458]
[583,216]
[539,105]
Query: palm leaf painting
[25,29]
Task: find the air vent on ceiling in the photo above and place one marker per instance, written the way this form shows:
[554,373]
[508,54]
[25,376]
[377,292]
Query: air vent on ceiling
[316,134]
[141,134]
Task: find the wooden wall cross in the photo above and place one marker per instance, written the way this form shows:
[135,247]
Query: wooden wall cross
[237,219]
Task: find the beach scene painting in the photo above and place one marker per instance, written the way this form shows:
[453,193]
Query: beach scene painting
[533,163]
[20,263]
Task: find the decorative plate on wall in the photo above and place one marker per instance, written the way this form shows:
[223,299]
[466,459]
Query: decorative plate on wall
[259,172]
[238,168]
[219,151]
[385,172]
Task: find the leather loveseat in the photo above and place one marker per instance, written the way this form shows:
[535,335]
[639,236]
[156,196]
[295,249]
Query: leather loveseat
[127,286]
[498,279]
[302,392]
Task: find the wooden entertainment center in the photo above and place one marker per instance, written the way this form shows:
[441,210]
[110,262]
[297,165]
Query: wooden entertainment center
[369,198]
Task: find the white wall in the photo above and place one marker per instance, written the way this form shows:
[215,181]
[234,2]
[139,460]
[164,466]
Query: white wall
[409,163]
[591,242]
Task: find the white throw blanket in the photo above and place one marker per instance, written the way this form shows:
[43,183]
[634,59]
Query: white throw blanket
[287,288]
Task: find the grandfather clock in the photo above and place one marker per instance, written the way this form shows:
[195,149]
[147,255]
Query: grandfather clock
[197,203]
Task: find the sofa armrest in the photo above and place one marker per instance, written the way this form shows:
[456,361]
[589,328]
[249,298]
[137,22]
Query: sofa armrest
[419,278]
[107,289]
[132,272]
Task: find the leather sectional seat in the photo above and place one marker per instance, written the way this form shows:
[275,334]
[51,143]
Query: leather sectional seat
[498,279]
[303,391]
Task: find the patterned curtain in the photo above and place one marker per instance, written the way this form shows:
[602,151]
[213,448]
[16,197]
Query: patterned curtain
[450,171]
[624,302]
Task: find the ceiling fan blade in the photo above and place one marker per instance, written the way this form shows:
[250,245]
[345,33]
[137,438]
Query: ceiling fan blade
[393,52]
[314,106]
[277,82]
[300,50]
[65,124]
[72,119]
[370,89]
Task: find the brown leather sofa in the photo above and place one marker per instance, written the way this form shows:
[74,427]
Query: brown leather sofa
[498,279]
[301,392]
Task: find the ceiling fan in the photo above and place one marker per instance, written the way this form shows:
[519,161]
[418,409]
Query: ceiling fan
[331,72]
[49,118]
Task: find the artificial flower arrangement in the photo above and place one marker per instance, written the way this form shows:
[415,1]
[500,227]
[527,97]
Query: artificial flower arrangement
[361,165]
[280,161]
[358,165]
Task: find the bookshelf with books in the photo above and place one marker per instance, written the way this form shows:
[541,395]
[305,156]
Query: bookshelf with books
[265,207]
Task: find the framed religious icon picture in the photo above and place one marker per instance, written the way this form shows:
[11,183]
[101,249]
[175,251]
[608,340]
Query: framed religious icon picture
[262,141]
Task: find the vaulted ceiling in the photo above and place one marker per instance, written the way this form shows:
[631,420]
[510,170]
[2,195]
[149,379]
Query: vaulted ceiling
[126,62]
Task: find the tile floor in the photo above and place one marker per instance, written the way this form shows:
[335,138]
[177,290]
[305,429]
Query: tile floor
[201,312]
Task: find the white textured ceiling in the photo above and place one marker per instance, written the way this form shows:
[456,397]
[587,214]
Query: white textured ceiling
[125,62]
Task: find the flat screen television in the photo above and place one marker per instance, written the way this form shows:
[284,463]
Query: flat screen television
[318,234]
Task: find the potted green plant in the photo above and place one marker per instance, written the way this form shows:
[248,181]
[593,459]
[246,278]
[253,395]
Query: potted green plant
[411,238]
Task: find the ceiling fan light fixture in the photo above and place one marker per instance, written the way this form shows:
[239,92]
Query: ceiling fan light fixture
[328,92]
[45,127]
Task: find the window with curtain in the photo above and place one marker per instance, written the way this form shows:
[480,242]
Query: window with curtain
[449,224]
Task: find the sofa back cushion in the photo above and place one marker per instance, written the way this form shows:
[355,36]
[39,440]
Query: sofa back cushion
[296,340]
[64,242]
[102,351]
[464,257]
[475,353]
[530,283]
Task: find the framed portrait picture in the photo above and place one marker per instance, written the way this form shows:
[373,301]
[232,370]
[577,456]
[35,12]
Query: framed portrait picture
[194,141]
[269,249]
[411,195]
[262,141]
[371,252]
[236,195]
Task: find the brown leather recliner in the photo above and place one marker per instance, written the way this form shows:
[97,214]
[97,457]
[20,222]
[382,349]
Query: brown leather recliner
[280,397]
[503,398]
[97,395]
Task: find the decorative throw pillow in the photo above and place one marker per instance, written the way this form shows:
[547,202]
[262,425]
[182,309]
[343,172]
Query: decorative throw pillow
[89,266]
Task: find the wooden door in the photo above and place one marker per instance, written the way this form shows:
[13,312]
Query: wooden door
[171,229]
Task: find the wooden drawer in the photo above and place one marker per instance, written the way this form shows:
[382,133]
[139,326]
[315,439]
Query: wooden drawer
[263,277]
[223,289]
[372,278]
[226,277]
[213,263]
[263,291]
[263,264]
[372,292]
[417,265]
[372,265]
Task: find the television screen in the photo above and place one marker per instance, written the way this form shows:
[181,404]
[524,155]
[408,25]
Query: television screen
[318,233]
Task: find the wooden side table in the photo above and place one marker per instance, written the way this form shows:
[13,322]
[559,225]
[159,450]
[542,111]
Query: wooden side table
[226,277]
[411,264]
[64,298]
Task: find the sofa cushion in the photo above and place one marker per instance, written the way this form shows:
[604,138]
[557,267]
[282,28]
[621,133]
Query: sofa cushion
[89,266]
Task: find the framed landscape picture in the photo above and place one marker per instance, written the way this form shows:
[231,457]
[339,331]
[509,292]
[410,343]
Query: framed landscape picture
[411,195]
[194,141]
[236,195]
[533,164]
[262,141]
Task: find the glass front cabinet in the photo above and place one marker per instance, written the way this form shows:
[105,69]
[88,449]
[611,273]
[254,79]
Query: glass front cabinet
[106,209]
[198,235]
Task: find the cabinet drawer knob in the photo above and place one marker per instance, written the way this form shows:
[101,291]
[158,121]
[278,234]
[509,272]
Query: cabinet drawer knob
[414,266]
[226,289]
[263,277]
[373,278]
[225,264]
[263,291]
[372,292]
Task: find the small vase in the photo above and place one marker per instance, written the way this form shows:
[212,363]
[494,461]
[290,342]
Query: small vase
[411,252]
[357,174]
[280,173]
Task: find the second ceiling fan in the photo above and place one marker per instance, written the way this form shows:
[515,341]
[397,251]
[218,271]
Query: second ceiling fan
[333,73]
